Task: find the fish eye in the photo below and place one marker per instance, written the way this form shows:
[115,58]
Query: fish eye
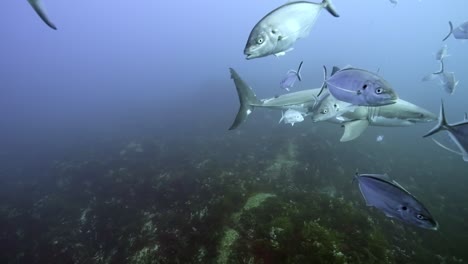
[260,40]
[420,217]
[378,90]
[404,208]
[324,111]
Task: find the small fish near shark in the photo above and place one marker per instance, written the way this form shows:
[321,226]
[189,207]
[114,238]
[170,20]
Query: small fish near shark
[458,132]
[394,201]
[355,120]
[277,32]
[38,7]
[291,116]
[288,81]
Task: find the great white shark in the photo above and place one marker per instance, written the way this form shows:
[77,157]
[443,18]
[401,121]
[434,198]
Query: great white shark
[355,121]
[38,7]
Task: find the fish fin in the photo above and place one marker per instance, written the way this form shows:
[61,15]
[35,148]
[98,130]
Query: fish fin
[442,125]
[353,129]
[37,6]
[447,148]
[450,32]
[428,77]
[466,116]
[247,99]
[298,73]
[282,117]
[324,84]
[327,4]
[279,54]
[441,68]
[335,69]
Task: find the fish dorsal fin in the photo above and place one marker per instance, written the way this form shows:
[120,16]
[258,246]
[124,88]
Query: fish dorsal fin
[335,69]
[354,129]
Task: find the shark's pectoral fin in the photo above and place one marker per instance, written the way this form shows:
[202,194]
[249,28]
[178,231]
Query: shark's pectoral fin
[353,129]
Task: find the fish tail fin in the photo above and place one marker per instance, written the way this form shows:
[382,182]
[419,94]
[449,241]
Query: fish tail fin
[37,6]
[442,125]
[356,176]
[441,68]
[298,73]
[327,4]
[247,99]
[450,32]
[324,84]
[282,117]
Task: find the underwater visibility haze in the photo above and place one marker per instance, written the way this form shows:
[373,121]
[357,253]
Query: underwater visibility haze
[165,132]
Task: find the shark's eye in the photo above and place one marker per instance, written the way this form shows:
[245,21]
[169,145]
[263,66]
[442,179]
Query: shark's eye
[378,90]
[404,208]
[260,40]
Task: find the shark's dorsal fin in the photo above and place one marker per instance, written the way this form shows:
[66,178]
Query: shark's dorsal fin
[353,129]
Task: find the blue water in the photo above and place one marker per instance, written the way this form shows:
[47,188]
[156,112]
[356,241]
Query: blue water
[155,73]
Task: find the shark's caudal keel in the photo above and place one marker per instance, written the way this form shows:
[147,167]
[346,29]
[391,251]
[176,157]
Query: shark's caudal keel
[37,6]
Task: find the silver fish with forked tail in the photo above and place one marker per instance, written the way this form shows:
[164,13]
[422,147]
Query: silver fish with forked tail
[290,79]
[391,198]
[460,32]
[276,33]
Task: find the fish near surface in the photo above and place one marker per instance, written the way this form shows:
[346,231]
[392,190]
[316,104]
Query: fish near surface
[291,76]
[360,87]
[392,199]
[291,116]
[460,32]
[458,132]
[277,32]
[37,6]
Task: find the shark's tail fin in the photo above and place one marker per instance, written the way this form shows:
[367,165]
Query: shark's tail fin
[247,99]
[37,6]
[327,4]
[442,125]
[298,73]
[451,30]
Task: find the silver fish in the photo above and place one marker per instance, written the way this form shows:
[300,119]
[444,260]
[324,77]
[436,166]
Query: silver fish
[461,32]
[276,33]
[291,76]
[360,87]
[458,132]
[291,116]
[393,200]
[37,6]
[447,79]
[329,107]
[442,53]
